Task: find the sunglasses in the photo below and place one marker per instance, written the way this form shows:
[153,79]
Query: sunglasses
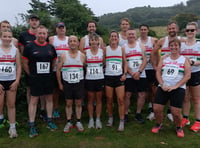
[190,30]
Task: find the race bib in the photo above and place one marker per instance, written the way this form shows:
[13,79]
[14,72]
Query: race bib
[171,71]
[93,70]
[43,67]
[73,76]
[135,64]
[115,67]
[7,68]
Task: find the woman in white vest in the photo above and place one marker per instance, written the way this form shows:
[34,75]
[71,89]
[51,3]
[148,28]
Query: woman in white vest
[115,75]
[94,79]
[10,72]
[172,74]
[191,49]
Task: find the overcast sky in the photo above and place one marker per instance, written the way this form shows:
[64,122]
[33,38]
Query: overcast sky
[9,9]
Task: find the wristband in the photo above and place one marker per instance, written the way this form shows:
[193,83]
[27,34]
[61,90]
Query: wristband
[139,71]
[192,63]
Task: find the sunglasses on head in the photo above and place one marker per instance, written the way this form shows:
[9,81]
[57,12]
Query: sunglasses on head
[190,30]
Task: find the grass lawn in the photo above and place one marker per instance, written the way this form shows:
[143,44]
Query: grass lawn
[135,135]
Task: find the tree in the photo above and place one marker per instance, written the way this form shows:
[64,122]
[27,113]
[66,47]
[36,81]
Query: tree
[183,18]
[73,14]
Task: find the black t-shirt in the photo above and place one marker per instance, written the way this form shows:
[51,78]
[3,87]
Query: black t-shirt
[40,58]
[26,37]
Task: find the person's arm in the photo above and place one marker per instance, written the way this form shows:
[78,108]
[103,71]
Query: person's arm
[187,75]
[58,70]
[123,78]
[25,60]
[15,84]
[136,76]
[82,44]
[155,54]
[159,75]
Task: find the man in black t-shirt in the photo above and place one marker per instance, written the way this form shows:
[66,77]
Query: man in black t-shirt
[38,60]
[28,36]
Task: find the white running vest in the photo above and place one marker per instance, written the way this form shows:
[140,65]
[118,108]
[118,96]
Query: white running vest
[134,59]
[149,47]
[173,71]
[60,46]
[114,64]
[72,69]
[94,69]
[8,64]
[165,48]
[122,41]
[193,53]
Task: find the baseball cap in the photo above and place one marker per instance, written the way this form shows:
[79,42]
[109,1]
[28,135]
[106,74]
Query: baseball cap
[34,16]
[60,24]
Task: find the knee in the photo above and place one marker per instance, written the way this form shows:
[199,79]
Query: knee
[142,95]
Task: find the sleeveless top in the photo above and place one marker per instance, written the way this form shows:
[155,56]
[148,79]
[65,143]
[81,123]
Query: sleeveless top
[173,71]
[60,47]
[149,47]
[94,68]
[8,64]
[193,53]
[134,59]
[122,41]
[114,62]
[72,69]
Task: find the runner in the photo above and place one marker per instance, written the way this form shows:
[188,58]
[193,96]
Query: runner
[149,44]
[172,74]
[25,38]
[191,49]
[115,75]
[10,72]
[60,43]
[136,77]
[84,43]
[163,43]
[71,82]
[94,79]
[38,61]
[124,25]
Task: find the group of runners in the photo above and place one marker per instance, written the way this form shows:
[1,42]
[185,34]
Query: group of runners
[88,68]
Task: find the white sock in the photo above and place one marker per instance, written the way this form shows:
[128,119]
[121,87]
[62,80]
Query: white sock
[12,125]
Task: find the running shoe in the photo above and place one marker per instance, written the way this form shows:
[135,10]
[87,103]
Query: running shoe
[180,133]
[196,126]
[33,132]
[126,118]
[98,124]
[79,127]
[52,126]
[156,128]
[151,116]
[91,123]
[110,122]
[67,127]
[139,118]
[121,126]
[56,114]
[12,133]
[185,122]
[43,115]
[170,117]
